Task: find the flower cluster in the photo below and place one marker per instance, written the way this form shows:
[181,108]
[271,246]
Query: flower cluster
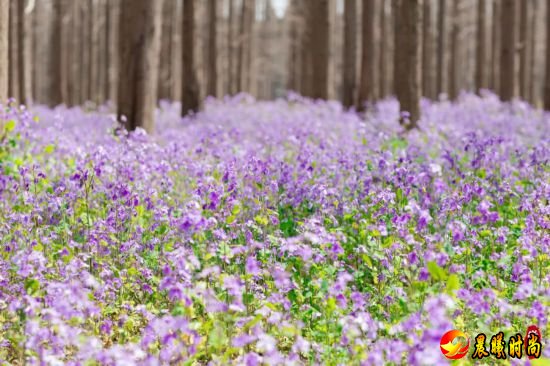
[290,232]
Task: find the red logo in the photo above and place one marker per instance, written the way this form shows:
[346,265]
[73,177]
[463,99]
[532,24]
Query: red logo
[454,344]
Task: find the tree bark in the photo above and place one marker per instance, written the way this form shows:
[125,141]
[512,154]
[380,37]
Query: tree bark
[496,39]
[349,54]
[547,78]
[383,79]
[407,69]
[533,57]
[13,87]
[507,50]
[139,39]
[211,88]
[55,65]
[190,86]
[320,48]
[165,76]
[427,51]
[524,49]
[22,60]
[455,50]
[4,49]
[481,78]
[441,26]
[366,84]
[230,49]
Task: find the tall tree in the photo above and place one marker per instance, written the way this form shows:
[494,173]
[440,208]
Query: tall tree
[211,88]
[244,44]
[427,51]
[407,70]
[524,49]
[190,85]
[55,65]
[455,50]
[293,82]
[383,77]
[230,48]
[533,57]
[4,52]
[320,47]
[349,54]
[495,41]
[547,79]
[366,84]
[22,40]
[481,77]
[441,44]
[139,39]
[13,66]
[507,50]
[166,50]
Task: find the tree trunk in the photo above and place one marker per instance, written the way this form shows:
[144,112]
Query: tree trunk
[4,49]
[320,48]
[190,86]
[349,54]
[13,87]
[230,50]
[441,26]
[524,49]
[243,38]
[139,39]
[547,78]
[306,54]
[382,81]
[427,51]
[533,57]
[366,84]
[496,39]
[407,69]
[211,88]
[481,78]
[22,36]
[293,82]
[455,50]
[507,50]
[55,65]
[165,76]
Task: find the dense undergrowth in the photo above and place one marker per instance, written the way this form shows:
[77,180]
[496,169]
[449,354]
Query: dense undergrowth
[285,232]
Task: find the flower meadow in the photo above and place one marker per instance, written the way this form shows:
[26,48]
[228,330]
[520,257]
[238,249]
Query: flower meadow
[288,232]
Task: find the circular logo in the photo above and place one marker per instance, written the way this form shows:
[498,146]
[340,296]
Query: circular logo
[454,344]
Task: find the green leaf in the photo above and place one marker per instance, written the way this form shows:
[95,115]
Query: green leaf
[32,286]
[48,149]
[540,362]
[437,273]
[10,126]
[453,283]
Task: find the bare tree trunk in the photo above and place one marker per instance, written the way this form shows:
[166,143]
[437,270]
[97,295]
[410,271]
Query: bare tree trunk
[242,46]
[524,49]
[113,51]
[496,39]
[533,58]
[22,36]
[481,78]
[230,49]
[383,79]
[211,88]
[139,50]
[293,82]
[13,87]
[55,65]
[441,26]
[320,48]
[249,63]
[4,49]
[190,86]
[547,78]
[366,84]
[455,50]
[165,76]
[349,54]
[306,54]
[427,51]
[407,69]
[507,50]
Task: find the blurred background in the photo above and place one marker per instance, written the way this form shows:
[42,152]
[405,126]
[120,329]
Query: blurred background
[67,51]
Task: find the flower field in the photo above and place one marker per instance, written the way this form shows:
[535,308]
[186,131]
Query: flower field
[272,233]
